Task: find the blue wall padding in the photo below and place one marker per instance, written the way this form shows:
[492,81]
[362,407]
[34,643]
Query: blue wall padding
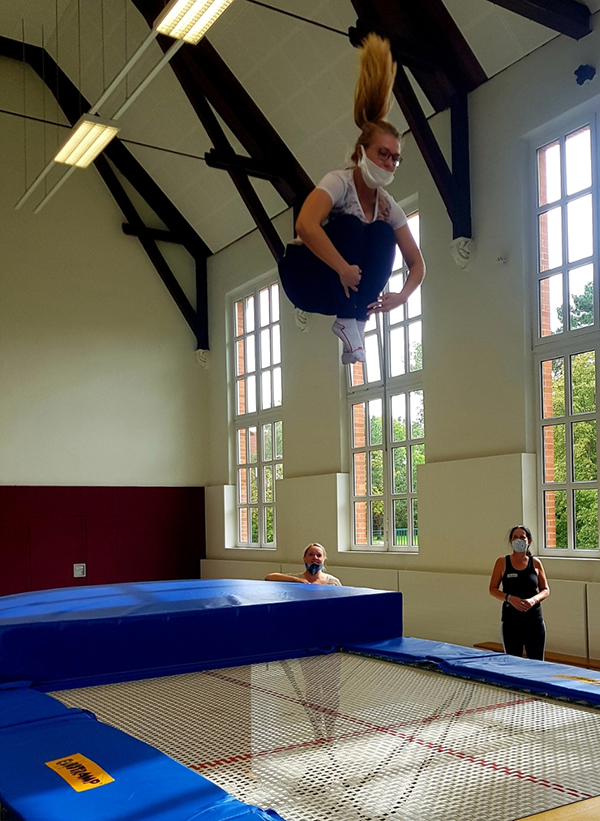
[555,680]
[76,636]
[148,785]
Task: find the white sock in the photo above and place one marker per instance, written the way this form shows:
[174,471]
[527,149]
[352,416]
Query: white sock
[347,331]
[356,356]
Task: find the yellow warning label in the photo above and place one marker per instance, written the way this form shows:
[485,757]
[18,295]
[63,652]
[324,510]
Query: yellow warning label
[595,681]
[81,773]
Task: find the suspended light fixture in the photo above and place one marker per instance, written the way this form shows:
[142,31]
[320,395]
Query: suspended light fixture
[88,138]
[184,20]
[189,20]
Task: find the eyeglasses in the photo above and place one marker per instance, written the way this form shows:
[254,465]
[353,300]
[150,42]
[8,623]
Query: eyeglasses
[385,155]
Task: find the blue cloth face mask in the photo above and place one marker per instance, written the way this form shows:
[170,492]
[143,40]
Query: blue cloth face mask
[313,568]
[519,545]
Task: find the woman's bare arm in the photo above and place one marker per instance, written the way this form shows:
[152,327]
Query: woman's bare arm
[497,574]
[284,577]
[544,591]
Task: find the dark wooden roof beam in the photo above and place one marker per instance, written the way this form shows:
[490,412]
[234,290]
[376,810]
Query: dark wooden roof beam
[149,244]
[452,72]
[253,168]
[425,138]
[200,70]
[452,65]
[407,51]
[566,16]
[239,176]
[157,234]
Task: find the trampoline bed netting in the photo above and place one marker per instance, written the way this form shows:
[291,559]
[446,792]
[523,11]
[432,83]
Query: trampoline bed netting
[341,736]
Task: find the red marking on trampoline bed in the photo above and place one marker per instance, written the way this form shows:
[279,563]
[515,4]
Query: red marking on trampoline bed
[389,730]
[353,719]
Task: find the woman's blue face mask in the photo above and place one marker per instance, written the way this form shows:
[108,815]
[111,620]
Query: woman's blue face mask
[313,568]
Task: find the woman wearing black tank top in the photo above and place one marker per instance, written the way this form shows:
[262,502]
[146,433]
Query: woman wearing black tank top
[524,586]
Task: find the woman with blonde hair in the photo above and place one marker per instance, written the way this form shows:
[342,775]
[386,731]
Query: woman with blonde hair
[342,267]
[314,562]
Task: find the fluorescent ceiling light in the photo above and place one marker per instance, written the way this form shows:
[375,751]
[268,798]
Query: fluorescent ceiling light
[89,137]
[189,20]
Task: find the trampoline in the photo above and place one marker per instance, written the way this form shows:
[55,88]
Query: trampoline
[206,700]
[345,738]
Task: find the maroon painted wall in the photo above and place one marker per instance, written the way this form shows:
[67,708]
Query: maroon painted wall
[123,534]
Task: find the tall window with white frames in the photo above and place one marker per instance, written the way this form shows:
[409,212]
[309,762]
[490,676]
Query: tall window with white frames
[387,423]
[258,428]
[566,343]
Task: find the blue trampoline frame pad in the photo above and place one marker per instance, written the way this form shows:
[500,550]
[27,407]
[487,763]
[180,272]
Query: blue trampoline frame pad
[561,681]
[120,777]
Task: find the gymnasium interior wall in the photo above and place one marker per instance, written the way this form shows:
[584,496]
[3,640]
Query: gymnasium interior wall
[480,475]
[100,387]
[102,402]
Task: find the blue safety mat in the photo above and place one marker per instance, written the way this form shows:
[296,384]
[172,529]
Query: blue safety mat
[82,636]
[147,785]
[22,706]
[406,649]
[545,678]
[556,680]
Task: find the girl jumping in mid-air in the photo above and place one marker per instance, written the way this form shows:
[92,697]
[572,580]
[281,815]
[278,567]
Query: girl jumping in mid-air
[342,267]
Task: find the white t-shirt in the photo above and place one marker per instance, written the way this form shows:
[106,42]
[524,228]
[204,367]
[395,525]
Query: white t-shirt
[340,187]
[328,579]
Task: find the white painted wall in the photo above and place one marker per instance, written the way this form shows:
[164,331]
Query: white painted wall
[99,383]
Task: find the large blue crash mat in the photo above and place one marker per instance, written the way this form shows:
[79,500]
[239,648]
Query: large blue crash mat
[75,637]
[60,764]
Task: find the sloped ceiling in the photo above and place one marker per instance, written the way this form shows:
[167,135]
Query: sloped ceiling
[300,75]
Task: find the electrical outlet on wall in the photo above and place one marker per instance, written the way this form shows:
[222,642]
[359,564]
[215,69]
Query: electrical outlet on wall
[79,571]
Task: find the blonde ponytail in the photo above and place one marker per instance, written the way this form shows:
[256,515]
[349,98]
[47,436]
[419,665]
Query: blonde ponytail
[372,96]
[373,93]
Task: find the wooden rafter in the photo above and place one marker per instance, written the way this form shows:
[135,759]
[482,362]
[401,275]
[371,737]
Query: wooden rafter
[156,233]
[238,176]
[201,71]
[158,201]
[421,30]
[73,103]
[149,245]
[566,16]
[211,87]
[253,168]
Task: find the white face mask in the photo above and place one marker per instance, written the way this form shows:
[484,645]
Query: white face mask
[372,174]
[519,545]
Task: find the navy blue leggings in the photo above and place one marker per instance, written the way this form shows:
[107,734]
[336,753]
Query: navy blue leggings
[313,286]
